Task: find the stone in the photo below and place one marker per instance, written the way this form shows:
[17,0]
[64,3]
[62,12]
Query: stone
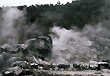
[64,66]
[1,62]
[12,60]
[42,44]
[17,70]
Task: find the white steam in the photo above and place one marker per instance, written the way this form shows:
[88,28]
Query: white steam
[9,15]
[92,43]
[69,39]
[100,30]
[8,32]
[66,43]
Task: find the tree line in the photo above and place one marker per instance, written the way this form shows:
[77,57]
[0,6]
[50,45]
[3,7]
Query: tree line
[77,13]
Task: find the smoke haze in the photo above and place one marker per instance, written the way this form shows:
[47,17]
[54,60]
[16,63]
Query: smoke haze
[14,29]
[8,32]
[92,43]
[68,44]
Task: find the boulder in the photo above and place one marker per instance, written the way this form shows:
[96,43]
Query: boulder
[42,44]
[34,65]
[5,55]
[93,65]
[8,73]
[8,48]
[78,67]
[102,65]
[12,60]
[25,65]
[26,72]
[63,66]
[1,62]
[22,64]
[46,67]
[17,63]
[5,48]
[12,71]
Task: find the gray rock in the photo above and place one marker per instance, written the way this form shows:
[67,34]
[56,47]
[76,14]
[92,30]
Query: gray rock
[25,65]
[8,48]
[64,66]
[5,55]
[5,48]
[12,60]
[17,63]
[1,62]
[17,70]
[42,44]
[22,64]
[14,71]
[8,73]
[34,65]
[78,67]
[93,65]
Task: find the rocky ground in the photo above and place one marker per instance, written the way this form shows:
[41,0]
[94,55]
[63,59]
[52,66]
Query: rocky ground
[72,73]
[23,68]
[29,59]
[68,73]
[83,73]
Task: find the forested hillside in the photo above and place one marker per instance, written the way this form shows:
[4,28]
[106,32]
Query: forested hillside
[78,13]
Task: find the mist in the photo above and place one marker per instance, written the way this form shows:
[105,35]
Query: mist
[91,43]
[98,31]
[8,32]
[14,29]
[71,46]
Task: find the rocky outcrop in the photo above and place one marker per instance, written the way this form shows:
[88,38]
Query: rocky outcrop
[42,44]
[14,71]
[1,62]
[12,60]
[25,62]
[5,48]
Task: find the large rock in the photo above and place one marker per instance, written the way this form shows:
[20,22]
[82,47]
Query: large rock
[5,48]
[64,66]
[8,73]
[5,55]
[12,60]
[42,44]
[1,62]
[22,64]
[14,71]
[93,65]
[17,70]
[8,48]
[17,63]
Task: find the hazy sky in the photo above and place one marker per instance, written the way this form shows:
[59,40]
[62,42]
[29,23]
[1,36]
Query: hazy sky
[30,2]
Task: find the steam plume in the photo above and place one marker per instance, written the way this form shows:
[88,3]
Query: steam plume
[8,32]
[69,43]
[92,43]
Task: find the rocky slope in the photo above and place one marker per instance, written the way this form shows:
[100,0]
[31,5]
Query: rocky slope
[33,59]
